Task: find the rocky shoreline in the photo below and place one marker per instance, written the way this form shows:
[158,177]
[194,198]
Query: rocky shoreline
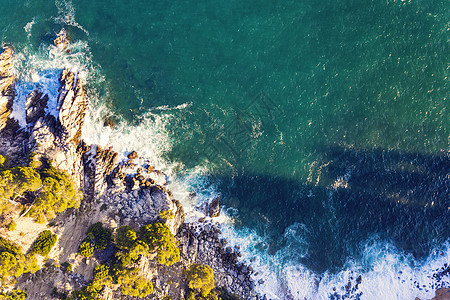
[130,192]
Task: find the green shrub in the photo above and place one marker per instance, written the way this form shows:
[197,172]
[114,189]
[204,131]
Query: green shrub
[166,214]
[134,285]
[99,235]
[13,295]
[58,295]
[12,226]
[200,278]
[44,243]
[14,182]
[66,267]
[101,272]
[159,238]
[98,238]
[92,290]
[129,257]
[86,248]
[56,195]
[125,237]
[13,263]
[52,190]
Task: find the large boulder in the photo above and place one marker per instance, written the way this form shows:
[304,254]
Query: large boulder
[98,165]
[157,200]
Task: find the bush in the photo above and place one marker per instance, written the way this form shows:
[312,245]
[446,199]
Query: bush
[66,267]
[125,237]
[13,263]
[134,285]
[200,278]
[98,238]
[86,248]
[129,257]
[99,235]
[56,195]
[58,295]
[13,295]
[44,243]
[51,189]
[159,238]
[12,226]
[101,272]
[166,214]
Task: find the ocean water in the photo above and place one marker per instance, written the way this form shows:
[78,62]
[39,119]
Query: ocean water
[323,126]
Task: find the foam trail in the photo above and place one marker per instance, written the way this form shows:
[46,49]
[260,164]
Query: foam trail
[66,14]
[386,273]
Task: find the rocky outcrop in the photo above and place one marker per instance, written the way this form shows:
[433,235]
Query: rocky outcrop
[213,208]
[143,205]
[7,93]
[98,164]
[35,106]
[58,139]
[61,40]
[202,244]
[440,294]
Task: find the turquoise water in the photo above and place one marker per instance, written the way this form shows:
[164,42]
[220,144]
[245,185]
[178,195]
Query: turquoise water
[323,125]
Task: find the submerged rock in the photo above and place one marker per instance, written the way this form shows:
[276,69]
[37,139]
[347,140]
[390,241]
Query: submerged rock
[61,40]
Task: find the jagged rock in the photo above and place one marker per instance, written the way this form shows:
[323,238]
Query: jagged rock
[58,139]
[71,105]
[214,208]
[98,165]
[132,155]
[61,40]
[7,93]
[35,106]
[157,199]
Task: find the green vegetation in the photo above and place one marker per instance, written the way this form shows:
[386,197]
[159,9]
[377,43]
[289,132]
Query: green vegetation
[159,238]
[97,238]
[134,285]
[92,290]
[58,295]
[57,194]
[166,214]
[131,247]
[44,243]
[66,267]
[13,262]
[13,295]
[125,237]
[50,190]
[86,248]
[11,226]
[200,278]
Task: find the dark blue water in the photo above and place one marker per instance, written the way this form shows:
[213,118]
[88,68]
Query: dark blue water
[322,125]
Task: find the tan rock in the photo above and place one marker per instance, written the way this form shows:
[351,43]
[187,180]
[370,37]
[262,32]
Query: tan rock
[7,93]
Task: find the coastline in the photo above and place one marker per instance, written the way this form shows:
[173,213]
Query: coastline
[130,192]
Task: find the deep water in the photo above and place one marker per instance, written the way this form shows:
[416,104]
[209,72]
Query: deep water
[322,125]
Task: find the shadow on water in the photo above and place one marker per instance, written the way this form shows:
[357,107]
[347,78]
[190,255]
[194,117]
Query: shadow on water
[393,196]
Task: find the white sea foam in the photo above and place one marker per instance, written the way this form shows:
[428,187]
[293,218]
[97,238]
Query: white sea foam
[41,69]
[386,273]
[66,14]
